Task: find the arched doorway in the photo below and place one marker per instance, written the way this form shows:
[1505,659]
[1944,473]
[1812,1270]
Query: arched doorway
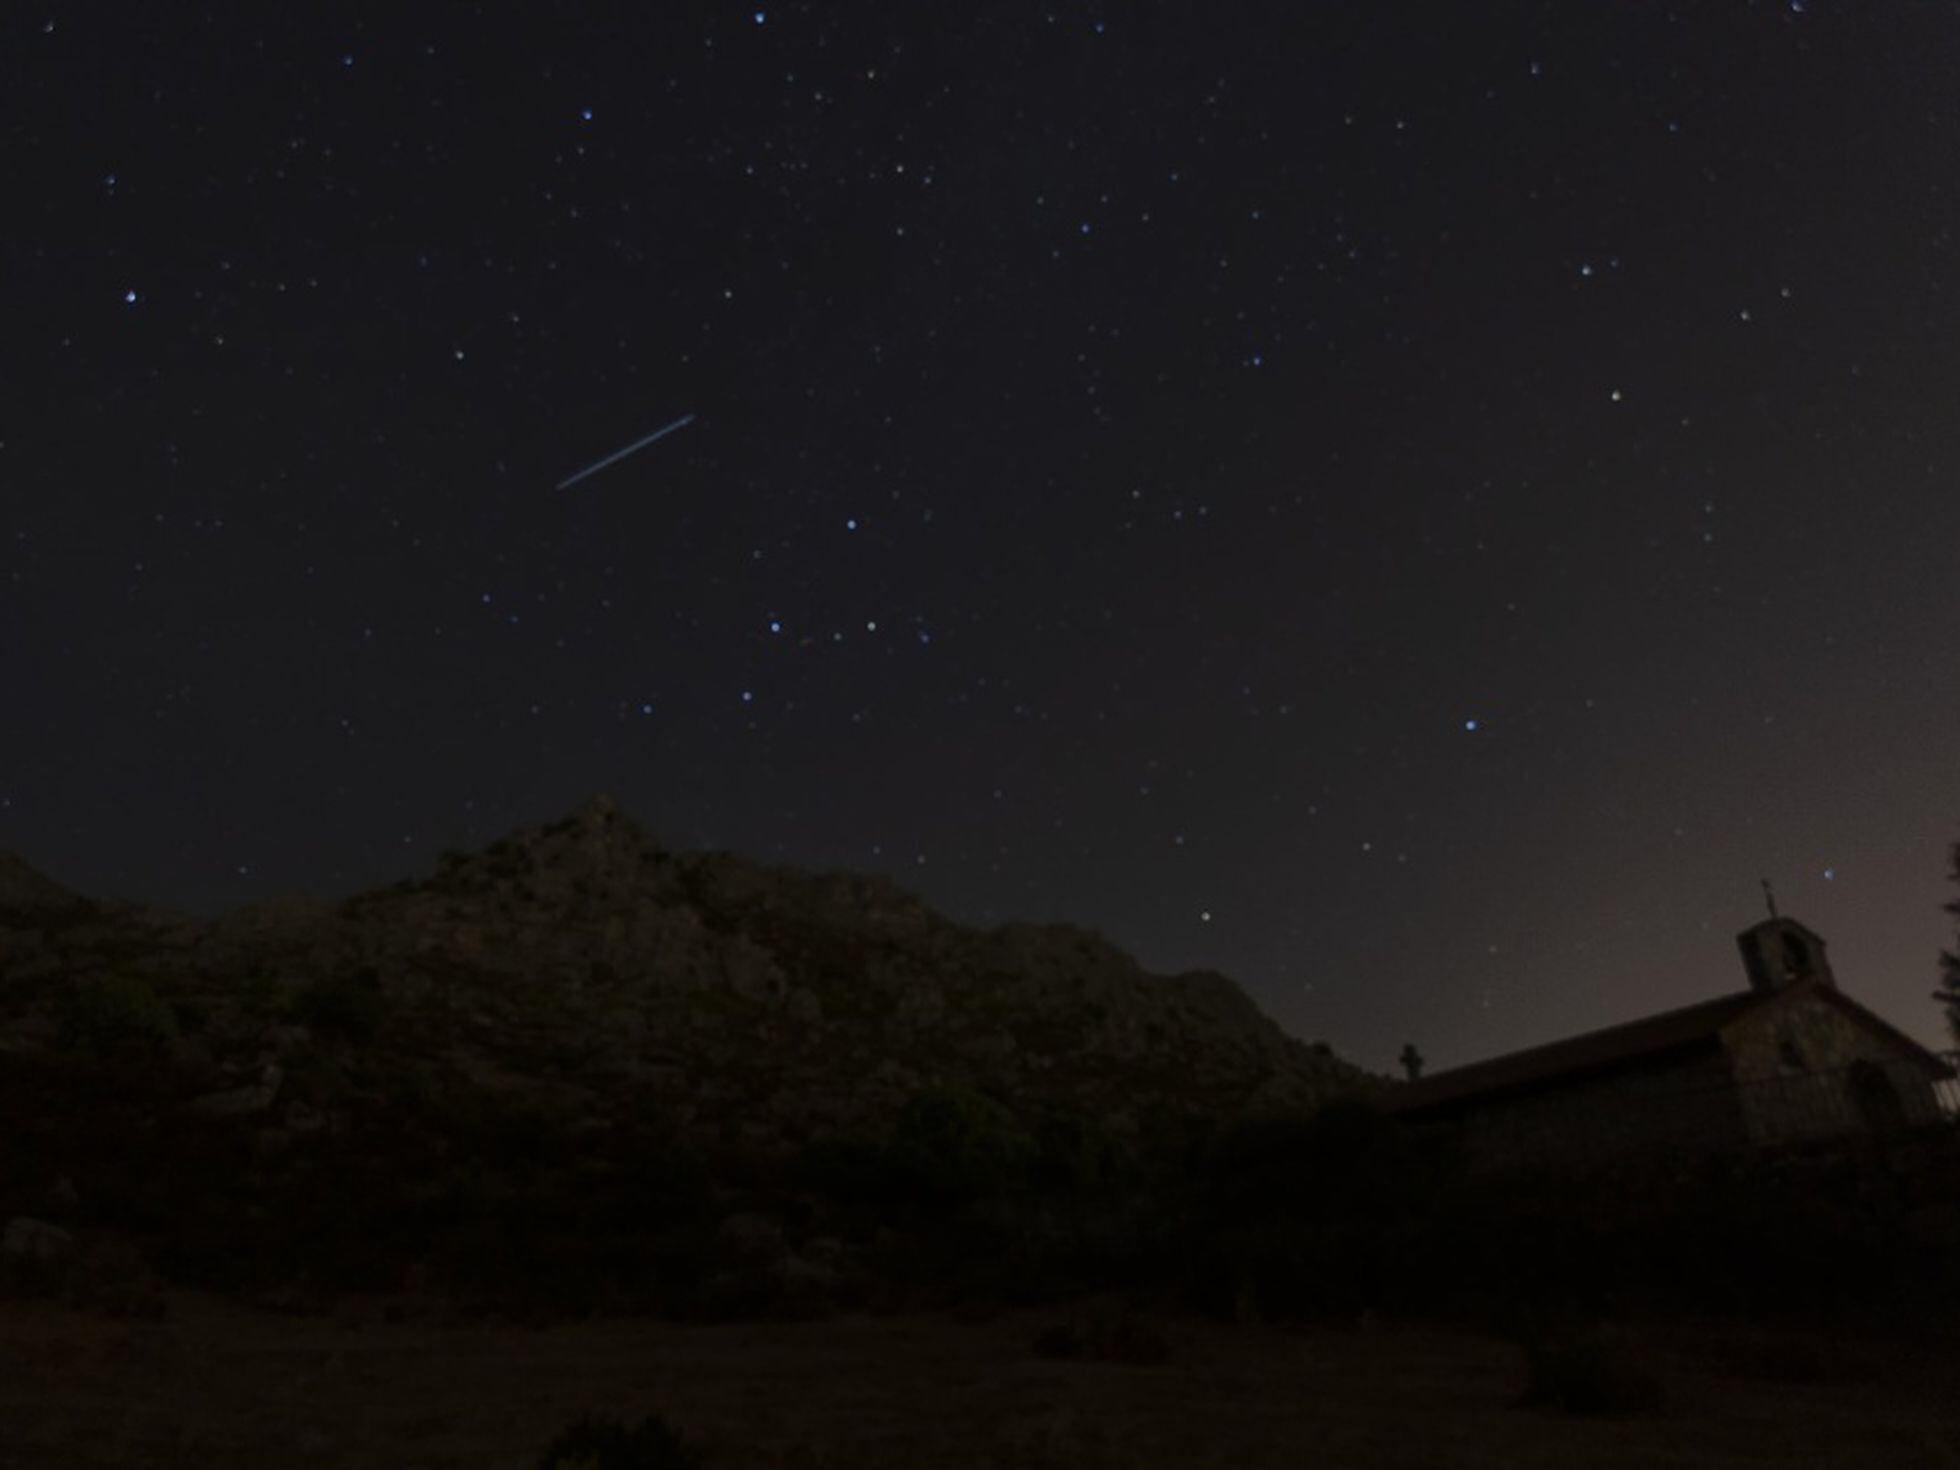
[1880,1108]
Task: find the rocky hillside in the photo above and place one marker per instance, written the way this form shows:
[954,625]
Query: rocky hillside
[747,1001]
[563,1002]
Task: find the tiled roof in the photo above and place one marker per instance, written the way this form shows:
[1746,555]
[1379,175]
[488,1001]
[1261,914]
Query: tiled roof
[1691,1026]
[1686,1029]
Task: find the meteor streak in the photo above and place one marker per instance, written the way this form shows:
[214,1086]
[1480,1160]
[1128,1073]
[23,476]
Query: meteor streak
[638,444]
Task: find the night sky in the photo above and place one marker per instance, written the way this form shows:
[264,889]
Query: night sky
[1417,507]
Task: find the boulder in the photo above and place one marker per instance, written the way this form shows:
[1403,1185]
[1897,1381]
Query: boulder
[750,1237]
[804,1287]
[62,1197]
[36,1241]
[240,1102]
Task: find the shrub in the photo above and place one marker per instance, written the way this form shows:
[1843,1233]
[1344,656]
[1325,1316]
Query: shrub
[115,1013]
[953,1146]
[608,1445]
[1121,1338]
[352,1006]
[1329,1213]
[1346,1159]
[1073,1156]
[1582,1368]
[97,1274]
[659,1185]
[1275,1271]
[1036,1249]
[846,1171]
[1132,1340]
[506,1132]
[260,995]
[1060,1340]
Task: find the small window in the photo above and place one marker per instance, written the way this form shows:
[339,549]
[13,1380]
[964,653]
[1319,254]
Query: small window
[1791,1054]
[1796,954]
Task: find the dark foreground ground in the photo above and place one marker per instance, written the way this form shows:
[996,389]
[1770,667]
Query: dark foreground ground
[215,1386]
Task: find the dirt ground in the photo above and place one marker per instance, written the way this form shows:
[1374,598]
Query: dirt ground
[221,1387]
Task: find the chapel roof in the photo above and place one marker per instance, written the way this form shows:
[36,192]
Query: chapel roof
[1673,1033]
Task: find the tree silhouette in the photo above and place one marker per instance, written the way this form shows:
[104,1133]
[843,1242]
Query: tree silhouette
[1948,994]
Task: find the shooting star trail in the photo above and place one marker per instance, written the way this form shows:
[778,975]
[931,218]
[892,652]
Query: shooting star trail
[637,445]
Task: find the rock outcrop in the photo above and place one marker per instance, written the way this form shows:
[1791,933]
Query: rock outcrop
[737,998]
[570,1013]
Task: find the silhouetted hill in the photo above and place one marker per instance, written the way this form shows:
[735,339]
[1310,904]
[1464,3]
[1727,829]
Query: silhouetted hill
[27,897]
[541,1018]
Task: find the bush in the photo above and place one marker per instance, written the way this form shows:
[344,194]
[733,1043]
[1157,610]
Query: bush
[1073,1156]
[846,1171]
[1121,1338]
[1345,1159]
[1583,1368]
[608,1445]
[1062,1340]
[1327,1214]
[350,1006]
[1276,1271]
[260,995]
[102,1274]
[658,1186]
[115,1013]
[954,1146]
[507,1133]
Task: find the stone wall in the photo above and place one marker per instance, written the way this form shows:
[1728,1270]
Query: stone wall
[1805,1069]
[1680,1108]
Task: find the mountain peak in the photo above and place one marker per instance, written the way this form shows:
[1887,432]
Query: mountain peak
[27,892]
[597,810]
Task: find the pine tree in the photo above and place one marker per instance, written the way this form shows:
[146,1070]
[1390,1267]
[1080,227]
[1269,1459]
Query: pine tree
[1948,994]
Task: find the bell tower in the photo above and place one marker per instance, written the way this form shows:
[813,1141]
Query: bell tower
[1780,952]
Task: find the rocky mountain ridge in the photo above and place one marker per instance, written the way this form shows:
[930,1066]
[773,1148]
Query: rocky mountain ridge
[573,1067]
[743,1001]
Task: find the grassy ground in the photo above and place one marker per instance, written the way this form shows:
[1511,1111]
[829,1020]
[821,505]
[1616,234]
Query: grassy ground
[216,1386]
